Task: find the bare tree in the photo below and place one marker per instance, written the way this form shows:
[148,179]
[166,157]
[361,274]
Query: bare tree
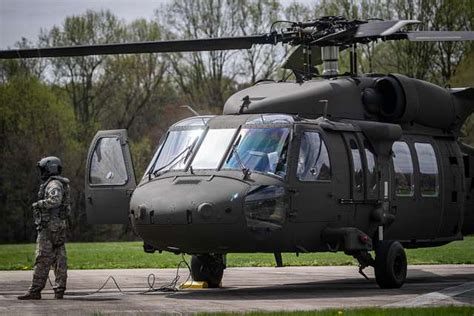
[204,78]
[257,17]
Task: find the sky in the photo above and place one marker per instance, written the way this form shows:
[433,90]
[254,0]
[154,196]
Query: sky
[25,18]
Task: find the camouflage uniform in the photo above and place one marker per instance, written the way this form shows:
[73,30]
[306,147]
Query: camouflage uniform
[51,212]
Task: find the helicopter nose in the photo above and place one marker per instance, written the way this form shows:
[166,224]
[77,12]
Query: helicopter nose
[193,200]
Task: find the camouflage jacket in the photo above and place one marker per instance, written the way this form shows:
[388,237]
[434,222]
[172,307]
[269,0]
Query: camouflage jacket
[53,197]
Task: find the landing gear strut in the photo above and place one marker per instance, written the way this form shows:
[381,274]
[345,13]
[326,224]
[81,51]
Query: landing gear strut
[390,264]
[208,268]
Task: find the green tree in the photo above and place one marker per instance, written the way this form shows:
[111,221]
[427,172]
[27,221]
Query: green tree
[34,123]
[464,78]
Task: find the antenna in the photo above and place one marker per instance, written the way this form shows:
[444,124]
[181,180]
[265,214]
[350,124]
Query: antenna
[353,59]
[325,109]
[186,106]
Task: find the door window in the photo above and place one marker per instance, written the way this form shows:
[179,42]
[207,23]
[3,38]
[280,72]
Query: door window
[429,180]
[403,167]
[313,159]
[371,172]
[108,165]
[357,166]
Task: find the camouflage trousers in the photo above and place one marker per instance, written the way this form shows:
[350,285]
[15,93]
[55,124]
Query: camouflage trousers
[50,251]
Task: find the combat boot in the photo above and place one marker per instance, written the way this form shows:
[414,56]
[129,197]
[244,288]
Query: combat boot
[58,295]
[30,296]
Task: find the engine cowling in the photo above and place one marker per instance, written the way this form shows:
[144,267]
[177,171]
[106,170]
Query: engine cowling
[398,99]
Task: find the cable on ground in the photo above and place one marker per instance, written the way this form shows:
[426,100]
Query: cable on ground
[151,279]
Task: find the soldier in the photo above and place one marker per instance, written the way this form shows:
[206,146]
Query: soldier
[50,213]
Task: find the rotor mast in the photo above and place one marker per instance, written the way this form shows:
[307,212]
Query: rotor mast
[330,58]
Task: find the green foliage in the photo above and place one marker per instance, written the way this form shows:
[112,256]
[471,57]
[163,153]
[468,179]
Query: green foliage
[141,153]
[124,255]
[374,311]
[34,123]
[464,78]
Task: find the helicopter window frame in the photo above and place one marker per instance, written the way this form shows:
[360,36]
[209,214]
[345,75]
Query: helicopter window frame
[423,162]
[397,164]
[323,141]
[252,125]
[122,163]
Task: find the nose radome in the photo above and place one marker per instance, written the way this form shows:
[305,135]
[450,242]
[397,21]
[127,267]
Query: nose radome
[200,201]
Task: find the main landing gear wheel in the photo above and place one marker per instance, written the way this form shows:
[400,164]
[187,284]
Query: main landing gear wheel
[390,264]
[208,268]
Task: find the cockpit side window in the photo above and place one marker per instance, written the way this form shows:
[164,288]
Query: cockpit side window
[313,158]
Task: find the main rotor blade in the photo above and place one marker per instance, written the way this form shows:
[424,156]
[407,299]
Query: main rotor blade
[382,28]
[363,31]
[440,36]
[195,45]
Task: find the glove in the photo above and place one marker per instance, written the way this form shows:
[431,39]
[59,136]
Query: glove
[37,205]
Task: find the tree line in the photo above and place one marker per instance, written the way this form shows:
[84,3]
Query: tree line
[55,106]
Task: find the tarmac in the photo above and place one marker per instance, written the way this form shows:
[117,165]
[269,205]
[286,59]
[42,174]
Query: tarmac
[243,289]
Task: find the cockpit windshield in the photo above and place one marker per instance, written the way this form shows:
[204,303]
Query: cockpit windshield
[178,146]
[260,149]
[261,145]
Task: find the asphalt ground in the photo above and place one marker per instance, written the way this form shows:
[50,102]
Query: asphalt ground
[243,289]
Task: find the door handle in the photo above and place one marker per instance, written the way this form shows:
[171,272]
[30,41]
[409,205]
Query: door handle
[292,190]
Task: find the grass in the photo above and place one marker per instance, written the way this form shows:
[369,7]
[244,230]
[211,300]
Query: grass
[430,311]
[115,255]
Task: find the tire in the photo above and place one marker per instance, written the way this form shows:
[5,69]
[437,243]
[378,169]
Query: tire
[207,268]
[390,264]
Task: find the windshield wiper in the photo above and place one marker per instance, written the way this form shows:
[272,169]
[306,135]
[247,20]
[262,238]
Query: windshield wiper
[173,162]
[245,170]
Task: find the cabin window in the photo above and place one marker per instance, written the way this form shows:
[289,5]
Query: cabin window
[357,166]
[108,165]
[429,179]
[313,159]
[403,167]
[371,172]
[213,148]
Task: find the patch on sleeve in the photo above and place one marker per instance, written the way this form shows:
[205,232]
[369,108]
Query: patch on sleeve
[54,192]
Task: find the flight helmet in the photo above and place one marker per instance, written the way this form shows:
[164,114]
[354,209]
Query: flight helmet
[49,166]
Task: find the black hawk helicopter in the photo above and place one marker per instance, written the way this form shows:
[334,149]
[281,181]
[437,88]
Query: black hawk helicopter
[330,162]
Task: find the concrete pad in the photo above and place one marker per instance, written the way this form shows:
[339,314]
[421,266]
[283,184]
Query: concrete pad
[244,289]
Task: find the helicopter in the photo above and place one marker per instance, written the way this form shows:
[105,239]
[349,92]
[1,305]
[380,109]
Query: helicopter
[364,164]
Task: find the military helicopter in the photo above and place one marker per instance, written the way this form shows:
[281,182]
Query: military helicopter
[327,162]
